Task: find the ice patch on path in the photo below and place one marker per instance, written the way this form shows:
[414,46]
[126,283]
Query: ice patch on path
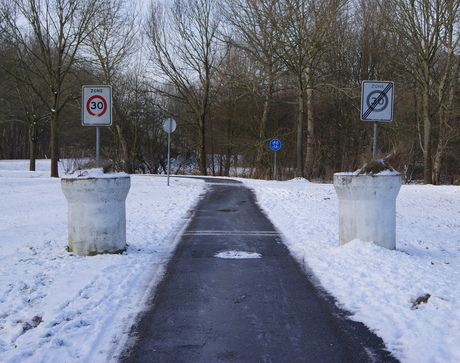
[237,255]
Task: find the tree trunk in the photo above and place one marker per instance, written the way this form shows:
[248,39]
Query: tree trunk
[228,160]
[427,173]
[32,147]
[125,150]
[264,120]
[261,145]
[202,146]
[437,164]
[300,130]
[54,146]
[310,152]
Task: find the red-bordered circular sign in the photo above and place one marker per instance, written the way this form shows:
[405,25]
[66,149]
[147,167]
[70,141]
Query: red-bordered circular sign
[96,106]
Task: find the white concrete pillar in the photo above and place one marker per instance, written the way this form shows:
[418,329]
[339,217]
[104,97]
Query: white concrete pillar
[367,207]
[96,214]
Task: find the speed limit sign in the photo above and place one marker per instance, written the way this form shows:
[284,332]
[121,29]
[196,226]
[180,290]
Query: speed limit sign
[97,106]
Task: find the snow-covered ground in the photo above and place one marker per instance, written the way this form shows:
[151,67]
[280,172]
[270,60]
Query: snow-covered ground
[377,285]
[59,307]
[56,306]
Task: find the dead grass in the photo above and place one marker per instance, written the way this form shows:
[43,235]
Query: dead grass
[390,162]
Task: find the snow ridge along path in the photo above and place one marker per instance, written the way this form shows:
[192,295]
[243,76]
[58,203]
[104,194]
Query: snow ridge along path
[232,292]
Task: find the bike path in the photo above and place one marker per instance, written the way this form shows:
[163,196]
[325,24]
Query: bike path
[266,309]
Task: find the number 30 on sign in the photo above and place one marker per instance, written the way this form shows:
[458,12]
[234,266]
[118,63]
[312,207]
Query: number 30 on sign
[97,106]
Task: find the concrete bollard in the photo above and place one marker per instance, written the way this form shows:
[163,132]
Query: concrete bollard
[367,207]
[96,214]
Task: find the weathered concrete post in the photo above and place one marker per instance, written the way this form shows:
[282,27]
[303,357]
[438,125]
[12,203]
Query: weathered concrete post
[367,207]
[96,213]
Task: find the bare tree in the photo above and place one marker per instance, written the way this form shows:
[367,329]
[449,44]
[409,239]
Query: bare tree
[303,30]
[48,34]
[111,46]
[421,28]
[186,52]
[114,38]
[447,72]
[252,30]
[33,113]
[19,103]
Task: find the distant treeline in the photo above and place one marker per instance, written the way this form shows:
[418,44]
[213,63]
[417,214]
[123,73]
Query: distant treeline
[234,74]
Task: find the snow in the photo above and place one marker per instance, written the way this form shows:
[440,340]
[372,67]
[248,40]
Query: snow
[56,306]
[93,174]
[84,305]
[383,172]
[388,172]
[238,255]
[377,285]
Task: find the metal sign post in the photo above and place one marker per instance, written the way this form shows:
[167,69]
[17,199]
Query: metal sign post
[97,110]
[377,104]
[374,144]
[169,126]
[98,143]
[275,145]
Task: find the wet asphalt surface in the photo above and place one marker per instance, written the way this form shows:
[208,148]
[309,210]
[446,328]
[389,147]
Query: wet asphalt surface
[267,309]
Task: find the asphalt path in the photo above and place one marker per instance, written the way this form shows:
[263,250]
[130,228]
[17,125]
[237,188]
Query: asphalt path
[266,309]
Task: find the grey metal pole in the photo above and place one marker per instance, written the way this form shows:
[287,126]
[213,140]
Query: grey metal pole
[169,151]
[374,147]
[274,168]
[98,143]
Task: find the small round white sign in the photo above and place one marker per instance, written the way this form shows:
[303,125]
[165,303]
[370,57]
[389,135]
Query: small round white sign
[169,125]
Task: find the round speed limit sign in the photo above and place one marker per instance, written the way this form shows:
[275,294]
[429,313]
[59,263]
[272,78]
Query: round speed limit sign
[97,106]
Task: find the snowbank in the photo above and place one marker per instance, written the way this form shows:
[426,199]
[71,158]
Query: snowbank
[379,286]
[58,307]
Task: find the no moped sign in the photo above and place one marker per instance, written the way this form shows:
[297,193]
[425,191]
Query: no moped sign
[97,106]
